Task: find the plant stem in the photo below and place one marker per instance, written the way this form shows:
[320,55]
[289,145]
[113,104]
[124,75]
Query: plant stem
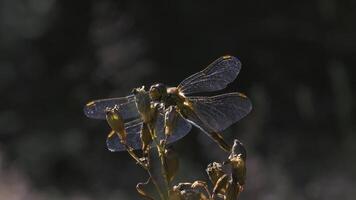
[147,168]
[156,185]
[160,150]
[133,155]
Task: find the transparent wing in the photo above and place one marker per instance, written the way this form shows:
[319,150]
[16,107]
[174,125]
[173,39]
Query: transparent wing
[127,107]
[221,111]
[133,130]
[181,128]
[215,77]
[194,119]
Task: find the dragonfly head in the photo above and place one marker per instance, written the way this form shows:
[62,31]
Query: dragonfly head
[158,91]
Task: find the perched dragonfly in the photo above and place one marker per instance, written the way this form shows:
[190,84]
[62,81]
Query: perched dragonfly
[211,114]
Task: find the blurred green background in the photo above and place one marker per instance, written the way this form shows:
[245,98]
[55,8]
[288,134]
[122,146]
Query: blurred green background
[298,69]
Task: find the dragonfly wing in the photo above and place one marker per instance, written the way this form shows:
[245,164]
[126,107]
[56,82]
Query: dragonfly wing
[133,130]
[182,128]
[126,105]
[159,126]
[215,77]
[221,111]
[194,119]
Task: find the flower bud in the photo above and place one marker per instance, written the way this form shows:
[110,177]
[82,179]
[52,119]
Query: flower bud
[238,170]
[186,192]
[214,171]
[238,148]
[143,103]
[116,122]
[237,160]
[170,120]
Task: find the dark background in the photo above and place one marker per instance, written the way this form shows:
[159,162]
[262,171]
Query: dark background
[298,69]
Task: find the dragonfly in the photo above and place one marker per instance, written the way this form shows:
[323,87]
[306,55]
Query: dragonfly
[180,108]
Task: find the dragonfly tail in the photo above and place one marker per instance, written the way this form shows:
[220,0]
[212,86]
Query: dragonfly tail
[202,125]
[217,137]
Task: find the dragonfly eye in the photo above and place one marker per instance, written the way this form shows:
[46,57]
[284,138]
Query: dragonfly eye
[154,94]
[157,91]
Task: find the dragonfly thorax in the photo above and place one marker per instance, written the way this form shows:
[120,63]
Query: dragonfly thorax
[174,97]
